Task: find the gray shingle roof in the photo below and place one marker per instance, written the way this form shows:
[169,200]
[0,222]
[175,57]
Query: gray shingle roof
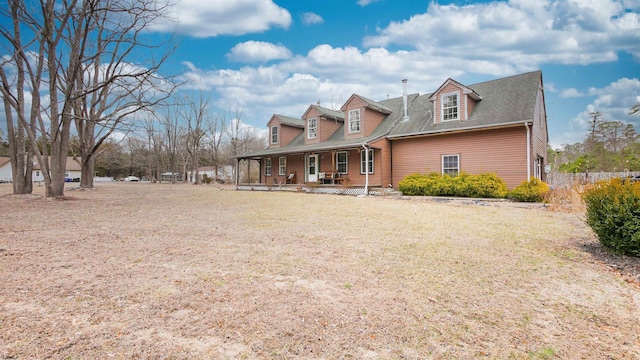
[505,101]
[287,120]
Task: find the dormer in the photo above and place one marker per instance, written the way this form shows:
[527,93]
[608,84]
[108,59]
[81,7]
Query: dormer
[362,116]
[283,129]
[453,101]
[320,123]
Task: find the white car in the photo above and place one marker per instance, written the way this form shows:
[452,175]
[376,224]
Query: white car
[131,178]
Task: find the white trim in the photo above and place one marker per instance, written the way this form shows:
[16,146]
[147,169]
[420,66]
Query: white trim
[282,166]
[457,163]
[268,163]
[346,161]
[442,96]
[359,121]
[315,128]
[277,133]
[367,160]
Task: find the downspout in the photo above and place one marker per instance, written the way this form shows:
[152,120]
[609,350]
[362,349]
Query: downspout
[528,151]
[366,169]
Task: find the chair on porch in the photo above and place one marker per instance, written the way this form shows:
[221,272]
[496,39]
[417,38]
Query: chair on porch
[321,177]
[291,178]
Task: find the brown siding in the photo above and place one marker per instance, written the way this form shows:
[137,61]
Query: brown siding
[371,120]
[355,103]
[384,170]
[539,136]
[274,122]
[437,103]
[326,127]
[501,151]
[294,164]
[285,133]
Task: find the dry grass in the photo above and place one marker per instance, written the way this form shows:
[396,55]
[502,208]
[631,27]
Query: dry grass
[161,271]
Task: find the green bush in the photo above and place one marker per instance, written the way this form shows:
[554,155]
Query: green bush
[533,190]
[464,185]
[613,212]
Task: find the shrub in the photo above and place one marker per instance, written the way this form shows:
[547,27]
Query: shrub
[464,185]
[613,212]
[533,190]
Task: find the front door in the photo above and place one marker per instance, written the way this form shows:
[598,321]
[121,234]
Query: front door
[312,168]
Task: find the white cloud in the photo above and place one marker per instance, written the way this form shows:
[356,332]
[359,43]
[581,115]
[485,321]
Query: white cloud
[258,51]
[366,2]
[523,33]
[570,93]
[310,18]
[210,18]
[613,101]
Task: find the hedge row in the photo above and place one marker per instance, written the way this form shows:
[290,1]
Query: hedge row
[476,186]
[613,212]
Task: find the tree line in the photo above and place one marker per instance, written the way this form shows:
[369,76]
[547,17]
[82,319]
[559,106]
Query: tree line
[81,78]
[608,146]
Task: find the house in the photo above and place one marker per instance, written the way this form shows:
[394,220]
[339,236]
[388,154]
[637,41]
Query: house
[498,126]
[5,170]
[72,172]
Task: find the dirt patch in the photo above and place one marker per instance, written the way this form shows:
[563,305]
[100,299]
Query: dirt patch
[178,271]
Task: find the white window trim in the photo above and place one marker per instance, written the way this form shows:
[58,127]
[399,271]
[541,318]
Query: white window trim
[442,97]
[346,161]
[267,166]
[315,128]
[277,135]
[359,121]
[442,163]
[282,165]
[362,159]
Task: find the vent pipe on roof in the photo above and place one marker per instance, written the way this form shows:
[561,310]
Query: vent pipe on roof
[404,99]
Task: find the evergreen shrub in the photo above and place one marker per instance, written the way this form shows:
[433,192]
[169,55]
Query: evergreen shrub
[533,190]
[613,212]
[463,185]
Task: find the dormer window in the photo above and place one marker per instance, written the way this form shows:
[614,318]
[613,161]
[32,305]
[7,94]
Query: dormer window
[312,128]
[274,134]
[450,106]
[354,121]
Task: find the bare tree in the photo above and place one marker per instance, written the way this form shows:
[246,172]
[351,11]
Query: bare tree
[635,109]
[111,89]
[196,113]
[76,55]
[216,130]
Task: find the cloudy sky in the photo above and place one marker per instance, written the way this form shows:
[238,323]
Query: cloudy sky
[280,56]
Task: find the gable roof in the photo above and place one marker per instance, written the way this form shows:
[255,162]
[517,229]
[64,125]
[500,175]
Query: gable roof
[505,102]
[375,105]
[327,113]
[290,121]
[465,90]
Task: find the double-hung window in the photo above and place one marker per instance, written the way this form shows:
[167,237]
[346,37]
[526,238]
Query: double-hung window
[267,167]
[354,120]
[366,164]
[312,128]
[341,162]
[451,165]
[450,106]
[282,168]
[274,134]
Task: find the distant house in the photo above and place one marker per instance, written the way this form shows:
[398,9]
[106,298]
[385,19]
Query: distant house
[6,174]
[5,170]
[224,173]
[498,126]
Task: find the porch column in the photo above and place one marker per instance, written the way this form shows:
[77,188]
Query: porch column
[237,178]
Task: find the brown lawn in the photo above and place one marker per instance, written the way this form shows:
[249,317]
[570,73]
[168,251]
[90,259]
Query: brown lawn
[134,270]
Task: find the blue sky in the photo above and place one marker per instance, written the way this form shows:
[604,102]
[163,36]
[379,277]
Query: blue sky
[280,56]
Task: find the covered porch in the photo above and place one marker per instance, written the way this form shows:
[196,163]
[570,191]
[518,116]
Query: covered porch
[345,170]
